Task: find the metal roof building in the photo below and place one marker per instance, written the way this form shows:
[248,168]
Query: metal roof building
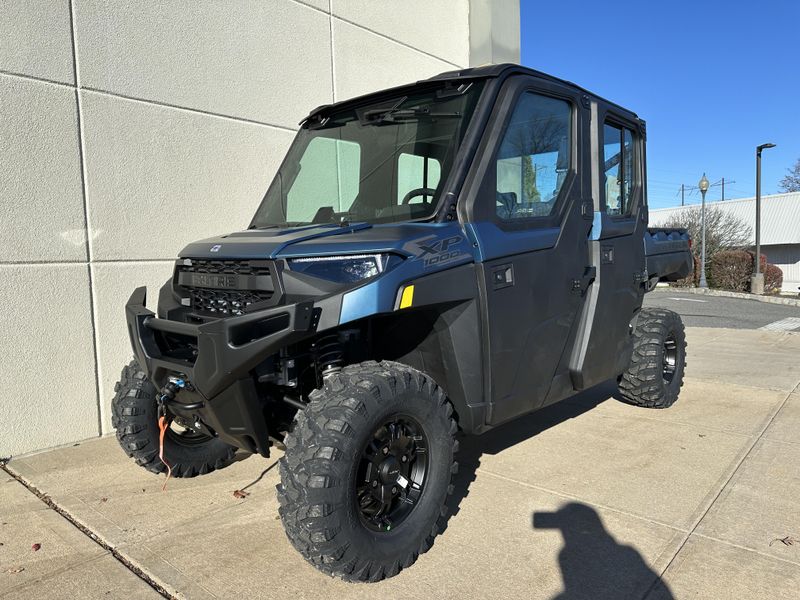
[780,228]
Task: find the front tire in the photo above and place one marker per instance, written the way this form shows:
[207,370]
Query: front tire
[367,471]
[134,415]
[654,376]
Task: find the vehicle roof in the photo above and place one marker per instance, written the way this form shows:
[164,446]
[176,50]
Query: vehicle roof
[482,72]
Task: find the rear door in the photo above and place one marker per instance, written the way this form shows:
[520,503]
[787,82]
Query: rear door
[527,220]
[616,246]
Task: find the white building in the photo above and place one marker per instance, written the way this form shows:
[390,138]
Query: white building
[128,129]
[780,229]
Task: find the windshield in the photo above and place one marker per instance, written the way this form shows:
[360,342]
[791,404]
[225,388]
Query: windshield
[378,163]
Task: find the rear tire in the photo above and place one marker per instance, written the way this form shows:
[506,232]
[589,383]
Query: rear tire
[134,415]
[654,376]
[339,457]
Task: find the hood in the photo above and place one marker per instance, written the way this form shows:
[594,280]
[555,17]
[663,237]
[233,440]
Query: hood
[316,240]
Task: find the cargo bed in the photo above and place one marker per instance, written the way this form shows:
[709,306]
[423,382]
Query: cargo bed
[668,253]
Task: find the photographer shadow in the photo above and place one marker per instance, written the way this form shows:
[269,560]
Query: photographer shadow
[593,564]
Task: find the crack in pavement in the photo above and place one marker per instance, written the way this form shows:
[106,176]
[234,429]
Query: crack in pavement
[141,574]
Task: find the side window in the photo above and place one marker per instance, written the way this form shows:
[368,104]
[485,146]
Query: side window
[416,173]
[619,167]
[533,159]
[329,176]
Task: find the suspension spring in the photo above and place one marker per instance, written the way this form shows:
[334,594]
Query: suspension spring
[329,354]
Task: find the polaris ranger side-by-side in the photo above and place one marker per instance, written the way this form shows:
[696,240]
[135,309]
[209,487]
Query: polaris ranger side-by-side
[438,257]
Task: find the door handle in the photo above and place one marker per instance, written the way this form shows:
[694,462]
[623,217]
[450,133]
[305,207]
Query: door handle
[502,276]
[582,284]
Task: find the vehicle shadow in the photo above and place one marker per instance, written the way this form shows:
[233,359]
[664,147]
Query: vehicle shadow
[594,566]
[514,432]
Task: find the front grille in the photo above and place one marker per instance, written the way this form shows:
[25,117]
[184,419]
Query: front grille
[224,267]
[224,288]
[225,302]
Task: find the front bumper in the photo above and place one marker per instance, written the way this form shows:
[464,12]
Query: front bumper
[219,374]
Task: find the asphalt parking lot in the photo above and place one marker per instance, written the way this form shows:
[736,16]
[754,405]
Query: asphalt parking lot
[716,311]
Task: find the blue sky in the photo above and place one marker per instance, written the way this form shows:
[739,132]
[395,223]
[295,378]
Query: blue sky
[712,79]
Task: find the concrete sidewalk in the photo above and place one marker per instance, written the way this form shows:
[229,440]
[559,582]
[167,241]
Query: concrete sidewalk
[590,498]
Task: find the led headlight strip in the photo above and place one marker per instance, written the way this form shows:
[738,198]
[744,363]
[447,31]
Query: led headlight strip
[378,258]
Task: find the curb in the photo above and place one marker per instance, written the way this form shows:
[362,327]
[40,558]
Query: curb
[709,292]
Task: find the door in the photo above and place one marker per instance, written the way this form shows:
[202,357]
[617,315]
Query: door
[616,247]
[530,229]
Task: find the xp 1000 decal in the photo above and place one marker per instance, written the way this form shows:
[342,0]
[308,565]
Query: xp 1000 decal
[435,251]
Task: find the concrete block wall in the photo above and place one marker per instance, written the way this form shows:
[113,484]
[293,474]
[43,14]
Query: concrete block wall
[129,128]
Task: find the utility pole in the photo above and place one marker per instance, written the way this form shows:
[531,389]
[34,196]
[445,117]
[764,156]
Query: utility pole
[722,182]
[757,280]
[681,194]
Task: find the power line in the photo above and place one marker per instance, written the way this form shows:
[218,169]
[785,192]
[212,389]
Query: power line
[693,188]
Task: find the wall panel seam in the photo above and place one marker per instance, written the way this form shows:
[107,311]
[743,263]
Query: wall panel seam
[34,263]
[8,73]
[85,186]
[212,113]
[198,111]
[104,261]
[469,34]
[330,38]
[312,7]
[396,41]
[79,263]
[93,90]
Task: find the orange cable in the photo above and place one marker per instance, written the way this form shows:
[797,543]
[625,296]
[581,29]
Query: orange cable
[163,423]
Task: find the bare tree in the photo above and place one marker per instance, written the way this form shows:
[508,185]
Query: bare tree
[724,231]
[791,183]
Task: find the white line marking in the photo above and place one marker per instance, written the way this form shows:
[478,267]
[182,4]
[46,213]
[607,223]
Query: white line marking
[687,300]
[787,324]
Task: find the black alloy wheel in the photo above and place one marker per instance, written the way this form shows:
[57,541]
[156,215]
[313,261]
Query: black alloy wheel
[391,474]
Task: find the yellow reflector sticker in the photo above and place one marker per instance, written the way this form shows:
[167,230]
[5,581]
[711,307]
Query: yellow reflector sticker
[408,296]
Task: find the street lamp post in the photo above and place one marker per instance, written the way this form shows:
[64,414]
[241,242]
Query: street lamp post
[757,280]
[703,187]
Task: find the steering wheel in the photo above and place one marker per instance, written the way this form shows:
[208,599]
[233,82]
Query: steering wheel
[423,191]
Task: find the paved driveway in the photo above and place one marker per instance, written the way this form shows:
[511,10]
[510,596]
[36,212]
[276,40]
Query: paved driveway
[719,311]
[590,498]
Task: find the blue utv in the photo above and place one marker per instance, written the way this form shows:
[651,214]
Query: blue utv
[431,260]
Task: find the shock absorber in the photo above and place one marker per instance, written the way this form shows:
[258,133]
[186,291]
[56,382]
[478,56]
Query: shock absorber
[329,354]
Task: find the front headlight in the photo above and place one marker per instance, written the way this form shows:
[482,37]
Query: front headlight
[344,268]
